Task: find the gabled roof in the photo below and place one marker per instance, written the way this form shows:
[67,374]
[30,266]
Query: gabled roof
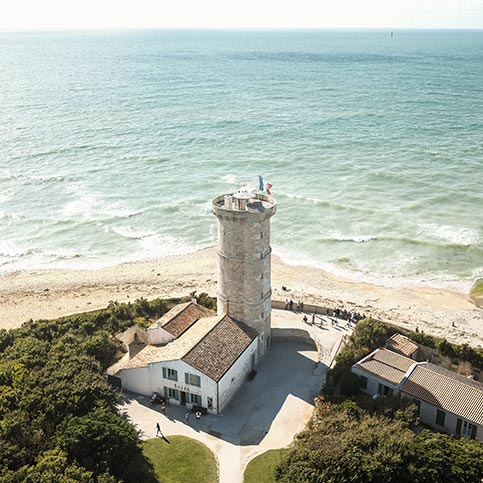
[181,317]
[176,349]
[446,390]
[220,348]
[386,365]
[402,345]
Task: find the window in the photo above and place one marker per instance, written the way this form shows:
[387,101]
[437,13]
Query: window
[192,379]
[468,430]
[384,390]
[440,417]
[172,393]
[417,403]
[170,374]
[195,399]
[363,382]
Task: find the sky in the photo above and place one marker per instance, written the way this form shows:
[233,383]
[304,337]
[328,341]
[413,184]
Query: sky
[122,14]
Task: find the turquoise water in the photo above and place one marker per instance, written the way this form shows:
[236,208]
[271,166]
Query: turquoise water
[112,145]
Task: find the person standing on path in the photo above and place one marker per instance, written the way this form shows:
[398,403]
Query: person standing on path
[187,417]
[158,430]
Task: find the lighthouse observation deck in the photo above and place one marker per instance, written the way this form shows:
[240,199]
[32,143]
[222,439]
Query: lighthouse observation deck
[242,201]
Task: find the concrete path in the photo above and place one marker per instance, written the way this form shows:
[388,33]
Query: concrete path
[266,412]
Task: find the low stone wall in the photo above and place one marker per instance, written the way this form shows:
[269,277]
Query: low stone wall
[279,333]
[309,308]
[282,334]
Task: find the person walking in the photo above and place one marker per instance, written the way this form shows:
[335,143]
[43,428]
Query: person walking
[187,417]
[158,430]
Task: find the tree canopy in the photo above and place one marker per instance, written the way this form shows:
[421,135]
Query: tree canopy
[58,416]
[346,444]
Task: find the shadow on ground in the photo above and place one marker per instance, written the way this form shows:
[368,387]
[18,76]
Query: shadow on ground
[289,370]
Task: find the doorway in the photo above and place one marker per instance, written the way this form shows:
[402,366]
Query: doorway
[182,398]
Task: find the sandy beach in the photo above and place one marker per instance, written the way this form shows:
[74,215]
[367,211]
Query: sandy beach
[45,295]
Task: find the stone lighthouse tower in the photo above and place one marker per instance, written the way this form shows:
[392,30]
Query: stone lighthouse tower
[244,265]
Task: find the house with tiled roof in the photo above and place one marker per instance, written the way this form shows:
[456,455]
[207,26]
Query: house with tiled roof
[202,363]
[447,401]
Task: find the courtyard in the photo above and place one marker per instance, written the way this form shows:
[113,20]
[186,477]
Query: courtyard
[268,410]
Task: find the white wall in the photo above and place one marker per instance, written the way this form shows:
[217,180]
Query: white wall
[236,375]
[146,380]
[427,413]
[159,336]
[137,380]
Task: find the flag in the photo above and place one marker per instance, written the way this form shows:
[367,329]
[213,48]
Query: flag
[264,185]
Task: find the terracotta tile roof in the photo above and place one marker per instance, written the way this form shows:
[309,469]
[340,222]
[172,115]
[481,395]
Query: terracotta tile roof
[182,317]
[386,365]
[446,390]
[220,348]
[402,344]
[177,348]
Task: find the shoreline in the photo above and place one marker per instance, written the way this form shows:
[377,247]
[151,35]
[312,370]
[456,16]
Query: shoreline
[51,294]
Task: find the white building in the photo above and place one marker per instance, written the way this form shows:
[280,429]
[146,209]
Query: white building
[204,363]
[447,401]
[194,357]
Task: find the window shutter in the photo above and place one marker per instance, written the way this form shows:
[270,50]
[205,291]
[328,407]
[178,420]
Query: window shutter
[186,378]
[175,375]
[165,393]
[164,373]
[473,432]
[458,426]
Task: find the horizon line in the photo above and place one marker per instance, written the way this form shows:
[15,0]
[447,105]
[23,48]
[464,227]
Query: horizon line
[259,29]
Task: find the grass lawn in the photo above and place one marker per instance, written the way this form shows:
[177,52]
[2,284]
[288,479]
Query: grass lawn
[182,459]
[262,468]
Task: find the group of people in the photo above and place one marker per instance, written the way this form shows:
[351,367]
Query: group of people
[350,316]
[289,304]
[159,432]
[187,416]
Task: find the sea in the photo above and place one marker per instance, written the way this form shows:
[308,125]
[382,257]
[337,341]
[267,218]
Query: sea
[114,143]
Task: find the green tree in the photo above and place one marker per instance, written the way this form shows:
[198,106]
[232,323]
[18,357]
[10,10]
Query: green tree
[100,441]
[347,447]
[439,457]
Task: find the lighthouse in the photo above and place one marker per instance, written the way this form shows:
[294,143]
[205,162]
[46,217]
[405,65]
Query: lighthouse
[244,260]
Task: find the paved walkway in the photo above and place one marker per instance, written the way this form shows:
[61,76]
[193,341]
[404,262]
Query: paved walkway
[266,412]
